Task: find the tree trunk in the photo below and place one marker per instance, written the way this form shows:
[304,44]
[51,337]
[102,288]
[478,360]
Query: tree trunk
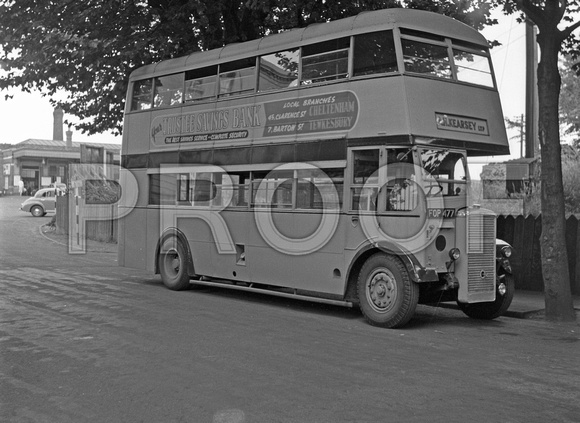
[557,289]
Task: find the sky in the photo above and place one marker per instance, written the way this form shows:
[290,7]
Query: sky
[29,115]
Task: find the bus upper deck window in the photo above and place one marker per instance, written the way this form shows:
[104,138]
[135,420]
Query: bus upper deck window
[426,58]
[473,67]
[142,94]
[168,90]
[325,61]
[278,70]
[374,53]
[237,77]
[200,83]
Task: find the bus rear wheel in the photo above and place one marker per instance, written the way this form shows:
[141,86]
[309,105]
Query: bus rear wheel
[387,295]
[173,260]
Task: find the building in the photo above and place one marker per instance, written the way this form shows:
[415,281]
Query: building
[507,185]
[40,163]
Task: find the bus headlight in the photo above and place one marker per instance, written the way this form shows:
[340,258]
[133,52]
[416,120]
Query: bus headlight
[506,251]
[454,253]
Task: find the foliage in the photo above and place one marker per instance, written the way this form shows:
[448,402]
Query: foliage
[102,191]
[88,48]
[570,95]
[571,182]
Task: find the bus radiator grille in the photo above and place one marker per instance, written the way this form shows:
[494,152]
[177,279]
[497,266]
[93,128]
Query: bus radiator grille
[481,253]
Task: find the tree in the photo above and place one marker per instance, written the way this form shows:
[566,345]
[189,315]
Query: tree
[88,48]
[547,15]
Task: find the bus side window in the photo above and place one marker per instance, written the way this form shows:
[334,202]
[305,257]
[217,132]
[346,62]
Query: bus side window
[473,67]
[365,179]
[234,195]
[142,94]
[163,188]
[183,188]
[200,84]
[325,61]
[402,190]
[168,90]
[319,189]
[237,77]
[272,189]
[278,70]
[374,53]
[202,189]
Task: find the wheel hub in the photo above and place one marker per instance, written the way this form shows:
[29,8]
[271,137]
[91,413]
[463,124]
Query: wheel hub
[175,264]
[382,290]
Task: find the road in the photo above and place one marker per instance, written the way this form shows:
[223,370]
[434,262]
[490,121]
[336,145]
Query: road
[82,340]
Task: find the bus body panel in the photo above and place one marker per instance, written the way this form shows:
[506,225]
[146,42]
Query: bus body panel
[392,106]
[449,111]
[136,134]
[133,240]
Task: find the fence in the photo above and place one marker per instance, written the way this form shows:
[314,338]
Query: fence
[98,230]
[523,233]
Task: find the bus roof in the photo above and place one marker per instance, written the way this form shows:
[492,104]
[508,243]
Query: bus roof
[419,20]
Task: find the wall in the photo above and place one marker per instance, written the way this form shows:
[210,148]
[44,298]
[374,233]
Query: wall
[98,230]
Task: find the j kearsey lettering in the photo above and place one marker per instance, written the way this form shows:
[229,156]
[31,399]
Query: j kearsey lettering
[458,123]
[461,124]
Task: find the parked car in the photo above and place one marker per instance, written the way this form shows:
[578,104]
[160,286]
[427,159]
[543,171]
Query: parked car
[60,186]
[42,202]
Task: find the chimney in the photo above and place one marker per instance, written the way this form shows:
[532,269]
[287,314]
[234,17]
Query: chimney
[69,138]
[57,129]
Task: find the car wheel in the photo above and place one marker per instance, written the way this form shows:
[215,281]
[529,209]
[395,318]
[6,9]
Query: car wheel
[37,211]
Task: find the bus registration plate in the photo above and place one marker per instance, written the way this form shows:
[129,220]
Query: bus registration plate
[441,213]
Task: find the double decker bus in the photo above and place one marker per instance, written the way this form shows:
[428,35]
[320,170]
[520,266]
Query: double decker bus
[326,163]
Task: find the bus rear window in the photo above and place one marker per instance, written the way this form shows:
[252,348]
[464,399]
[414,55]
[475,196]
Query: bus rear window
[374,53]
[142,94]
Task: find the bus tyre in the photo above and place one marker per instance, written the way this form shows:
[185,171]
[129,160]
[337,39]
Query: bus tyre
[387,295]
[173,261]
[491,310]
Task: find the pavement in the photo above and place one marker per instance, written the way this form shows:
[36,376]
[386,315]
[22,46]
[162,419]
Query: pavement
[525,305]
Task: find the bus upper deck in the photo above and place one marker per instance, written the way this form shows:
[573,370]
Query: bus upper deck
[395,75]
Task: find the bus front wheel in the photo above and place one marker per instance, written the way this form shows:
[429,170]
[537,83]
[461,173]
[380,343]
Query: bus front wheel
[387,295]
[173,260]
[494,309]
